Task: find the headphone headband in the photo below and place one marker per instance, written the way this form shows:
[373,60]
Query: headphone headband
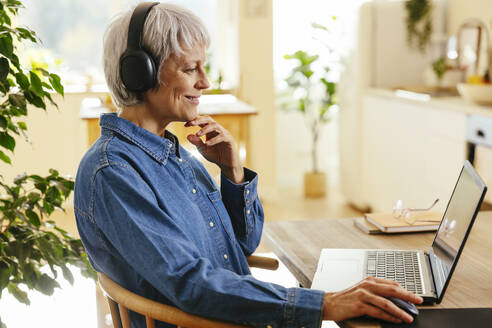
[137,21]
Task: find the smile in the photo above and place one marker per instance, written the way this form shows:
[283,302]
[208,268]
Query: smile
[193,100]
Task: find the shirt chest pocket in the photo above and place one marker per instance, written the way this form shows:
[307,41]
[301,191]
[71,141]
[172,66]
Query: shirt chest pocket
[221,212]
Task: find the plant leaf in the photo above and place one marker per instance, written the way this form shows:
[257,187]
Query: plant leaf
[22,126]
[17,100]
[27,34]
[30,274]
[6,18]
[4,68]
[22,80]
[5,158]
[7,141]
[67,274]
[56,83]
[42,185]
[33,218]
[6,46]
[33,98]
[36,84]
[20,295]
[43,71]
[5,272]
[46,284]
[3,122]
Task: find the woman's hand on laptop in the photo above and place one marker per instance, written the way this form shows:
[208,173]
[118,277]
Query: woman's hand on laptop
[369,297]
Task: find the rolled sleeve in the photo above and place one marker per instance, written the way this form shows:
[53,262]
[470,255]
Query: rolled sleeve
[304,308]
[245,209]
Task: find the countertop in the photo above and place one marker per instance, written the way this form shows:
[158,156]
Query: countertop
[457,103]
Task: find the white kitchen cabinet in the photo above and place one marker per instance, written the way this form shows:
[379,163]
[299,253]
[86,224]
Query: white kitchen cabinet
[410,150]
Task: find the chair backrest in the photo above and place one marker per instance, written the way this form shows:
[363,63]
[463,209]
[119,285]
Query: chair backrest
[121,300]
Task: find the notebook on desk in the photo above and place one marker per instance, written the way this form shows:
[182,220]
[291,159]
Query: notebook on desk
[424,221]
[427,274]
[367,227]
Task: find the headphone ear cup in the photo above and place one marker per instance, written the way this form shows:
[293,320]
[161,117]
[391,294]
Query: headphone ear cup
[137,70]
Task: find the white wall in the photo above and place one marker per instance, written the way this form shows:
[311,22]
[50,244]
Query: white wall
[459,10]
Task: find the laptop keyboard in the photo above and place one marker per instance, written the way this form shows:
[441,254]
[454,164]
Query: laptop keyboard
[400,266]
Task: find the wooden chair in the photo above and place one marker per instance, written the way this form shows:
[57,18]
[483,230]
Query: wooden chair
[121,300]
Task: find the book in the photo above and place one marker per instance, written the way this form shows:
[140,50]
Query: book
[387,223]
[366,226]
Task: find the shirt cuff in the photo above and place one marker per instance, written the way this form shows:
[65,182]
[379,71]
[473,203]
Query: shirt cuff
[304,308]
[248,188]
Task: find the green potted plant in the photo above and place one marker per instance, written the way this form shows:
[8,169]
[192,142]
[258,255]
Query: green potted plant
[28,239]
[419,23]
[312,94]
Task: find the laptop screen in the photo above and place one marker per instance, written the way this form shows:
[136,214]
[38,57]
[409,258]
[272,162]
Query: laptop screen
[455,226]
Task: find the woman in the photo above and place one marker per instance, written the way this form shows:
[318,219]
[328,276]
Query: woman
[152,218]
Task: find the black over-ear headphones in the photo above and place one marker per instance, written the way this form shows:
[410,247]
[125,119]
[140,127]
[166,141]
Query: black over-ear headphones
[138,70]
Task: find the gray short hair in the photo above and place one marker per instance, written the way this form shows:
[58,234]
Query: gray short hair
[167,29]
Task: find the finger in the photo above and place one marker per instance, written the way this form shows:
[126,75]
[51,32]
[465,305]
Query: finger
[212,127]
[192,122]
[215,140]
[390,290]
[387,306]
[195,140]
[200,120]
[383,281]
[376,312]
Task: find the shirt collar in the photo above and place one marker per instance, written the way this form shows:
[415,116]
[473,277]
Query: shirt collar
[156,147]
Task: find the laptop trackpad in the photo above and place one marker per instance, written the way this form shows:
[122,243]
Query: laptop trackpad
[336,272]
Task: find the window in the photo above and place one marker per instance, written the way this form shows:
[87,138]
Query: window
[72,31]
[293,31]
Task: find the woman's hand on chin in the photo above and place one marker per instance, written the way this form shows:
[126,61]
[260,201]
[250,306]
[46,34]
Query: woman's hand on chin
[218,148]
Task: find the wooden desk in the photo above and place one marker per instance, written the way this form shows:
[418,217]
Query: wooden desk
[299,243]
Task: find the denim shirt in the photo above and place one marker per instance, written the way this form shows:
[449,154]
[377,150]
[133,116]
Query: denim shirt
[154,221]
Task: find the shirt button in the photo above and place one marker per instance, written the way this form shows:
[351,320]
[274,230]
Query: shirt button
[247,191]
[269,326]
[193,190]
[211,224]
[225,256]
[248,211]
[180,160]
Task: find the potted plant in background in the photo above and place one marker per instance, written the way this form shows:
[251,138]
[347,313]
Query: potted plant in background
[28,239]
[419,23]
[313,94]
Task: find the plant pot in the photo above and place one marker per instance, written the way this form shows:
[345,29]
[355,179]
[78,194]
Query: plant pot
[314,184]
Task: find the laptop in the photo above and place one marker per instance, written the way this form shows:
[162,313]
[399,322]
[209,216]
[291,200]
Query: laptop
[425,273]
